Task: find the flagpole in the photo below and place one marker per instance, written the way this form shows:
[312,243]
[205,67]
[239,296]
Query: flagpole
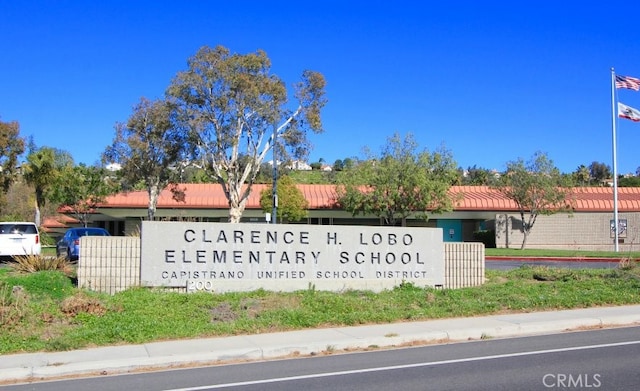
[615,159]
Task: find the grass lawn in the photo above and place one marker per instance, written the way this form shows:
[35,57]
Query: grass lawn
[45,311]
[514,252]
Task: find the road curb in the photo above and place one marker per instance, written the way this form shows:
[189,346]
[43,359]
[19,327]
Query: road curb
[183,353]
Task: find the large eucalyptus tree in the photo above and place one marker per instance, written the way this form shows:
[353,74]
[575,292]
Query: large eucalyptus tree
[236,111]
[150,149]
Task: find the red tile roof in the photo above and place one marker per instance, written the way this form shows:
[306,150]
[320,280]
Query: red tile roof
[468,198]
[60,221]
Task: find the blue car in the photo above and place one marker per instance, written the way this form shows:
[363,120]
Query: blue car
[69,245]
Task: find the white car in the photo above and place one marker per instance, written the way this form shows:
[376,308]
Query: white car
[19,238]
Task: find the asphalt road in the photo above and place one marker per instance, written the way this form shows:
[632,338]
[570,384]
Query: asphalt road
[603,359]
[515,263]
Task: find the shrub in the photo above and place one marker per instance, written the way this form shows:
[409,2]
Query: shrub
[46,239]
[488,237]
[34,263]
[13,301]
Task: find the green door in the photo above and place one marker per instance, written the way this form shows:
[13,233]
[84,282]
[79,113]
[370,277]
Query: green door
[451,230]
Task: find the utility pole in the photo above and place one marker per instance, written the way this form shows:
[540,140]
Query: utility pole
[274,212]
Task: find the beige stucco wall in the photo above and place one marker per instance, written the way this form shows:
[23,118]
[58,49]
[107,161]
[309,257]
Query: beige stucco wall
[112,264]
[579,231]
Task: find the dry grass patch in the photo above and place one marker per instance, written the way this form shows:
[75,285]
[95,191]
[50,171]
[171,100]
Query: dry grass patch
[82,303]
[252,307]
[223,312]
[13,303]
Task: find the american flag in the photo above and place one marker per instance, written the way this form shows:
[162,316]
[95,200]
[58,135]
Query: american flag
[627,82]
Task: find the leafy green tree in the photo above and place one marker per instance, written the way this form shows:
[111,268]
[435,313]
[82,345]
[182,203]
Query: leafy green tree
[81,189]
[197,176]
[292,206]
[600,172]
[42,165]
[537,187]
[19,202]
[632,181]
[316,166]
[582,175]
[265,174]
[151,150]
[398,183]
[348,163]
[338,165]
[11,147]
[477,176]
[233,106]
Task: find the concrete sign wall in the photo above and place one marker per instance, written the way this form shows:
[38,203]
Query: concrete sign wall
[226,257]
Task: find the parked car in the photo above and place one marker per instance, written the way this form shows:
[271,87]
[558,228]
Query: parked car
[19,238]
[69,245]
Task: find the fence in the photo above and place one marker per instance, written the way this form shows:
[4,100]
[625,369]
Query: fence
[112,264]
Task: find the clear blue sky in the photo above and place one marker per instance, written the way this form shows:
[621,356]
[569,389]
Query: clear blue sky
[490,83]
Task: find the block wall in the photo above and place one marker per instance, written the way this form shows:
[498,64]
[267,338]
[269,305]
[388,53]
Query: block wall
[112,264]
[583,231]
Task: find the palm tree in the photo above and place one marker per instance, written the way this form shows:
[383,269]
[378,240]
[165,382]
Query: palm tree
[38,172]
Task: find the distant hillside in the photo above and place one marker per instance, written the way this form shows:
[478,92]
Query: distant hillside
[312,177]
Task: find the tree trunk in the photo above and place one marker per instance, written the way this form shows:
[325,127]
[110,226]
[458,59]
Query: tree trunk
[39,202]
[524,239]
[236,206]
[84,219]
[234,214]
[37,216]
[153,201]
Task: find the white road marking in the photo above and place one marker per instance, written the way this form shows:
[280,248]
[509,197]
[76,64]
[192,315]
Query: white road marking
[394,367]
